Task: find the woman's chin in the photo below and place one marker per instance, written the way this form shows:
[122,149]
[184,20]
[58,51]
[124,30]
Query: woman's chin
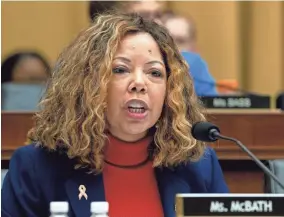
[137,132]
[133,133]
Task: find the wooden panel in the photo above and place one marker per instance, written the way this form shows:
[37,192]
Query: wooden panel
[44,26]
[243,176]
[261,131]
[14,131]
[245,181]
[265,76]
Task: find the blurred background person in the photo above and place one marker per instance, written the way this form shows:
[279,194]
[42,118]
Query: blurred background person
[182,29]
[23,78]
[25,67]
[204,83]
[153,10]
[147,9]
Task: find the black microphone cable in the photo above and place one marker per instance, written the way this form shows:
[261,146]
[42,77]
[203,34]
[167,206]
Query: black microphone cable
[208,132]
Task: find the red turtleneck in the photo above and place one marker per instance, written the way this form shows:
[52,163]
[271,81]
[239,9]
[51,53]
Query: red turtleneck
[130,192]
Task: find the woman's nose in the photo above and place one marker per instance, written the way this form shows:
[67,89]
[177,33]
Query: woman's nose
[138,83]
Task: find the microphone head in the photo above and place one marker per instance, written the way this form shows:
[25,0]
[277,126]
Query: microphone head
[202,131]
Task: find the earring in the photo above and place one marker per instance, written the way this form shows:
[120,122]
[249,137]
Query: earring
[157,124]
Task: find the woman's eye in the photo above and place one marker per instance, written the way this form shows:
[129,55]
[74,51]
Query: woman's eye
[156,73]
[119,70]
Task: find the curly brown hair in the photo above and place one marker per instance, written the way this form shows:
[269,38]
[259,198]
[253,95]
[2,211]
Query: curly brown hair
[72,112]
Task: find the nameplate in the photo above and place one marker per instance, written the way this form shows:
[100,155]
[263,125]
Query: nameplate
[237,102]
[229,205]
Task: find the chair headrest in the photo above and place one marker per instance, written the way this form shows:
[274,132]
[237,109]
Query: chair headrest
[280,101]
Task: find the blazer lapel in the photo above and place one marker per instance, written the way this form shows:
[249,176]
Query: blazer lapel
[170,184]
[94,189]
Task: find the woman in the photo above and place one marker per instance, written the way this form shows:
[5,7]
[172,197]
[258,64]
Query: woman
[23,77]
[115,125]
[25,67]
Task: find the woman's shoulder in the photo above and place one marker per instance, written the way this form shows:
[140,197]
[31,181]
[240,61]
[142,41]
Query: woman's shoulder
[206,163]
[28,150]
[36,175]
[35,150]
[33,155]
[206,170]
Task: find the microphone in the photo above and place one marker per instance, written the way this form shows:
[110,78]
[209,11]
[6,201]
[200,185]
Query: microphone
[208,132]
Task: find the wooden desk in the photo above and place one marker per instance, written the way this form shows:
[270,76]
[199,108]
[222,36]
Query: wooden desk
[14,128]
[261,131]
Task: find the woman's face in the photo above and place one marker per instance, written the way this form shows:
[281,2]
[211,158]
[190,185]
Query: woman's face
[137,89]
[30,70]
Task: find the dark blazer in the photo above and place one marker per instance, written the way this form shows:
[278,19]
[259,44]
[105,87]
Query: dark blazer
[37,177]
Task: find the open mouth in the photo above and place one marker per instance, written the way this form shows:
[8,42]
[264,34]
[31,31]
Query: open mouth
[138,110]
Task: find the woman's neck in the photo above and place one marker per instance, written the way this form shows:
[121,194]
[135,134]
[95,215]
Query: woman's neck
[127,137]
[122,152]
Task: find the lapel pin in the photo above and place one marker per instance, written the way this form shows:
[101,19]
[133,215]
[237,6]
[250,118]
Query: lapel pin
[82,190]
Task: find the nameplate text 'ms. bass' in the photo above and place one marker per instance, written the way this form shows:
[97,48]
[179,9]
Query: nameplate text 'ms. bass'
[237,102]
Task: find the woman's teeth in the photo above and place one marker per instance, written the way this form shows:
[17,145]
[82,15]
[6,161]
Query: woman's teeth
[136,110]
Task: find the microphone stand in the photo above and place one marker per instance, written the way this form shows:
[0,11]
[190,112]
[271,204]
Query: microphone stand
[215,135]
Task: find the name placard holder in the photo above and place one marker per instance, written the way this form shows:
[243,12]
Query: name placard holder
[229,205]
[237,102]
